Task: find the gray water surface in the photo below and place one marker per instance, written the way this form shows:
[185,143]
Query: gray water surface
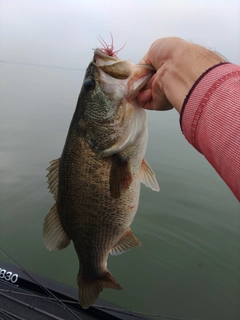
[189,263]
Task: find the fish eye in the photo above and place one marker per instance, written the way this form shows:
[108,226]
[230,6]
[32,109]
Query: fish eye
[89,84]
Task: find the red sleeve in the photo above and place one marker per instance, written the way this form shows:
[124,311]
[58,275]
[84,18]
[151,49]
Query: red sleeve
[210,121]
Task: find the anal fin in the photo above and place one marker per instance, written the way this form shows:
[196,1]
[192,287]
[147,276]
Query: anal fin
[127,242]
[55,237]
[148,176]
[120,175]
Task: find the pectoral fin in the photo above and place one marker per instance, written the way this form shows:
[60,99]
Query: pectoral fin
[127,242]
[55,237]
[148,176]
[120,175]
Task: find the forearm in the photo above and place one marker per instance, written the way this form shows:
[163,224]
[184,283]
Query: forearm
[210,121]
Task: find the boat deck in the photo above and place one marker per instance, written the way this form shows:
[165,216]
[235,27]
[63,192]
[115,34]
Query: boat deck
[17,303]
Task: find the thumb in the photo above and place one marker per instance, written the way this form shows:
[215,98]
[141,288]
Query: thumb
[144,96]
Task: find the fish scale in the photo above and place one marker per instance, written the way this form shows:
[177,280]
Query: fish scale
[96,181]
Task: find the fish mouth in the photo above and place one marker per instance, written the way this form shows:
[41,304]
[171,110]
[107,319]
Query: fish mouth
[111,65]
[136,75]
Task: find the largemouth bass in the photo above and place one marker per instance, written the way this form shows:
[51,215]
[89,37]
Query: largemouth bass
[96,181]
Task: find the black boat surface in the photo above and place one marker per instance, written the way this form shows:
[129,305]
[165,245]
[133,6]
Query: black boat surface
[25,296]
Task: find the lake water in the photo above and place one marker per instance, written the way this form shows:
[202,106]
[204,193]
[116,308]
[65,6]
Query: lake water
[189,263]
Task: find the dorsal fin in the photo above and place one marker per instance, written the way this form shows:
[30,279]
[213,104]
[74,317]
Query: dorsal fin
[53,177]
[55,237]
[148,176]
[127,242]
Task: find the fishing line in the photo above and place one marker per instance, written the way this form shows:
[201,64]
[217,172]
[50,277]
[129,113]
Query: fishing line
[32,307]
[41,286]
[10,315]
[119,311]
[56,298]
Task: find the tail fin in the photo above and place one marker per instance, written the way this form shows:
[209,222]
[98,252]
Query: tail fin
[90,288]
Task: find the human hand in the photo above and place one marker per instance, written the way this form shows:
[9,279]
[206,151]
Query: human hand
[178,65]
